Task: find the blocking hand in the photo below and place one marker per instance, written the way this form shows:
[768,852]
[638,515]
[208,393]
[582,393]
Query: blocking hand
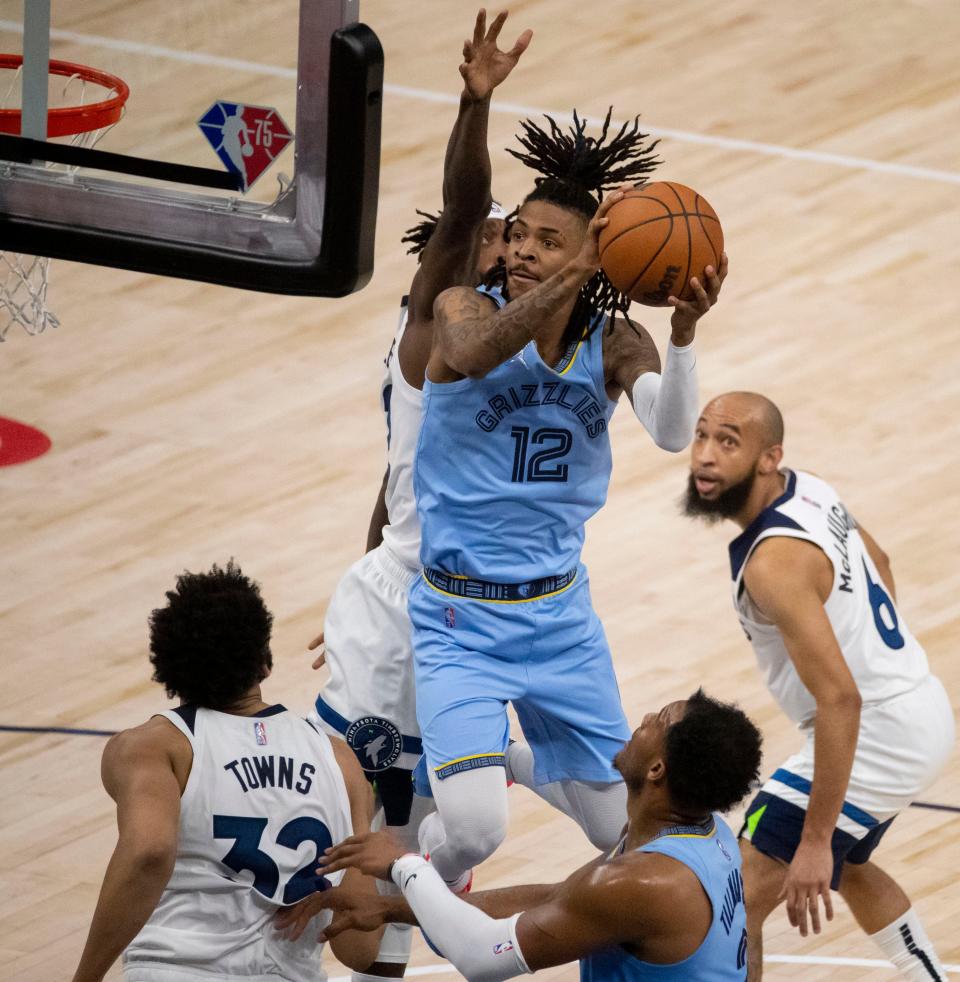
[485,66]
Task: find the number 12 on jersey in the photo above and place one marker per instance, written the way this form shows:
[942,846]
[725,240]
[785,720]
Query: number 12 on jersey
[556,443]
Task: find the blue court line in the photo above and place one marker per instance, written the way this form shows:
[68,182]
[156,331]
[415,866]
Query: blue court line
[73,731]
[934,807]
[70,730]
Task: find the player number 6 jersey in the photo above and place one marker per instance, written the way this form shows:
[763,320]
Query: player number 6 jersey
[884,658]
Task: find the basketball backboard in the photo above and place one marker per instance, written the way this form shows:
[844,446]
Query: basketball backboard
[154,197]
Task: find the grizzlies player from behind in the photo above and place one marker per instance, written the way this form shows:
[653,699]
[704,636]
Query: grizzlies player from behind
[666,903]
[513,458]
[223,805]
[369,698]
[815,595]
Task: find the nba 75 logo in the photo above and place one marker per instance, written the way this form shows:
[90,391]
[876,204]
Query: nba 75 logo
[247,139]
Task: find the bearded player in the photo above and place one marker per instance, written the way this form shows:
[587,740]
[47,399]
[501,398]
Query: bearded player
[815,596]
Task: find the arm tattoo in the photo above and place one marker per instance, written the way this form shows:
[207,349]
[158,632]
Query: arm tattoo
[628,352]
[473,335]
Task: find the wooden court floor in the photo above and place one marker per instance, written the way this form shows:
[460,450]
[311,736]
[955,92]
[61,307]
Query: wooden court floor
[192,423]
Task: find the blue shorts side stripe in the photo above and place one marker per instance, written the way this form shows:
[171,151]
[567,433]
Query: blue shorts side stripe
[801,784]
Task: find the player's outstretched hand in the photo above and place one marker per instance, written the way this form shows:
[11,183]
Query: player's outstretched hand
[686,313]
[372,853]
[485,66]
[352,910]
[321,659]
[807,881]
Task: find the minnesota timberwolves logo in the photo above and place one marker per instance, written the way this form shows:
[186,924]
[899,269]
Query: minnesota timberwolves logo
[375,741]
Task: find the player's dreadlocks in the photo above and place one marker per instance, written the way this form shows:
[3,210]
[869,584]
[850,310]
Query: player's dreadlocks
[576,169]
[419,235]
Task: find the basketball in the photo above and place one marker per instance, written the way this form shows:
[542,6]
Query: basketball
[659,236]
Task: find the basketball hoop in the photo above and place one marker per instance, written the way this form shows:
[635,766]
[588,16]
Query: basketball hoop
[23,278]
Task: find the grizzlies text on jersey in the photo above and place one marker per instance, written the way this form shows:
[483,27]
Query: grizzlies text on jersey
[509,467]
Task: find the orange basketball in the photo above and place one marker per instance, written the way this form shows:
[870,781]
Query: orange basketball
[659,236]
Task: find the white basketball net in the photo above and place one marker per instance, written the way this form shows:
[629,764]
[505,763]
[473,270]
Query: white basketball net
[23,293]
[23,278]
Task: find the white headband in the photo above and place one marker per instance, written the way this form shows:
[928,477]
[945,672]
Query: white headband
[497,211]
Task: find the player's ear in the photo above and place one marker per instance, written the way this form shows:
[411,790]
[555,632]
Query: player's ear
[770,459]
[657,770]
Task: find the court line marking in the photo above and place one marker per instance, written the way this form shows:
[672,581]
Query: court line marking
[70,730]
[510,108]
[10,728]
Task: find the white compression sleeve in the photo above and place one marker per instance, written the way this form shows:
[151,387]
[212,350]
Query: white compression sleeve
[482,949]
[668,404]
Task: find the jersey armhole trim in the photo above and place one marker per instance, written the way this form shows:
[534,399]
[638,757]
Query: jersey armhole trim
[188,714]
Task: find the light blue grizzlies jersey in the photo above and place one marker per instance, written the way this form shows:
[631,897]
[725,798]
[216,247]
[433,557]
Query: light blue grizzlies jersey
[712,853]
[509,467]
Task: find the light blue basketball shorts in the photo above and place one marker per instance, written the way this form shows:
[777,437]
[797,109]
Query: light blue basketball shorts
[548,656]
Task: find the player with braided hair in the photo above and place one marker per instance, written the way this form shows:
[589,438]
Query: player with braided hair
[576,169]
[368,699]
[513,458]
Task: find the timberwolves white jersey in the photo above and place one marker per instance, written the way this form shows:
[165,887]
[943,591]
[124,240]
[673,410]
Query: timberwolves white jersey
[264,798]
[883,656]
[402,406]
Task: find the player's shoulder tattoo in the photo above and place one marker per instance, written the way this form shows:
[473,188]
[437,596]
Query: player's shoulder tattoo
[626,340]
[461,303]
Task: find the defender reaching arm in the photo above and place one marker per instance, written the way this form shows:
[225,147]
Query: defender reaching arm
[451,255]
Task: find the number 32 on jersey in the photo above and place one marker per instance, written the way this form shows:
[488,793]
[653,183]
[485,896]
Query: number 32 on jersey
[246,854]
